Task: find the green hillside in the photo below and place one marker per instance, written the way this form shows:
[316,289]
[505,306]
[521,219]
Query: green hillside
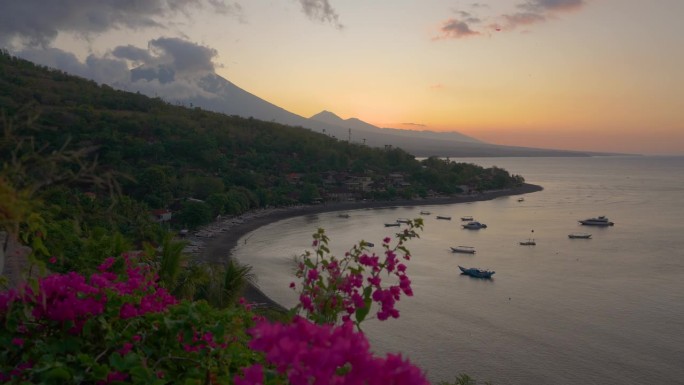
[124,154]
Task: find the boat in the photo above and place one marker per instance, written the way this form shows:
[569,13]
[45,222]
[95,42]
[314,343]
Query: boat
[521,199]
[579,236]
[474,225]
[393,224]
[598,221]
[368,244]
[403,220]
[443,217]
[463,249]
[529,242]
[476,272]
[425,213]
[467,218]
[343,215]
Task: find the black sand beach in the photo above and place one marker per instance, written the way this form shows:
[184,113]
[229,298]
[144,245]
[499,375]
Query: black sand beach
[219,248]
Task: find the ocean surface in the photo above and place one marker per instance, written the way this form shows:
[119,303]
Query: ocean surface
[605,310]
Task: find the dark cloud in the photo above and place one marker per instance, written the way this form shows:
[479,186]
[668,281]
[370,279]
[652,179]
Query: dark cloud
[185,56]
[131,53]
[320,10]
[38,22]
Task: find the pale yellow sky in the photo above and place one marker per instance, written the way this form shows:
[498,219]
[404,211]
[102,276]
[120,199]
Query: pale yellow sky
[602,75]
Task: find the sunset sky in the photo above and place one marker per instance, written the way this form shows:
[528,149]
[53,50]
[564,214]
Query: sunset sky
[600,75]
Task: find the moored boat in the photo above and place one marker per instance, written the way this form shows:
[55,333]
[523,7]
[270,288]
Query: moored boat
[403,220]
[393,224]
[476,272]
[579,236]
[443,217]
[467,218]
[343,215]
[425,213]
[463,249]
[474,225]
[529,242]
[598,221]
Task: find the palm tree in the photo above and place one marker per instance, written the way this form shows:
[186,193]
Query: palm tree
[226,284]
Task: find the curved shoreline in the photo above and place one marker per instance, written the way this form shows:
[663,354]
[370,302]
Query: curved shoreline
[219,248]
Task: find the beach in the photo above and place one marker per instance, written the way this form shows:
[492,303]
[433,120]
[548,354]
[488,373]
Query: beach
[214,243]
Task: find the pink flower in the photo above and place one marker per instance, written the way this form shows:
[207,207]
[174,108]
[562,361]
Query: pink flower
[253,375]
[18,342]
[53,260]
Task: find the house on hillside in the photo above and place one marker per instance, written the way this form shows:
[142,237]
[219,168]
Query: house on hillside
[161,215]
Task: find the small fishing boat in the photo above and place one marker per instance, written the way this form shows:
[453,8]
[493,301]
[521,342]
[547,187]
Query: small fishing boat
[579,236]
[343,215]
[425,213]
[529,242]
[393,224]
[467,218]
[403,220]
[476,272]
[463,249]
[521,199]
[443,217]
[474,225]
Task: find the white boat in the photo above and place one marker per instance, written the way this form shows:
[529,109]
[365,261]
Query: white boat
[463,249]
[467,218]
[403,220]
[425,213]
[443,217]
[598,221]
[474,225]
[579,236]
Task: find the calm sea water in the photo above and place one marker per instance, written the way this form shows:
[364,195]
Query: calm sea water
[607,310]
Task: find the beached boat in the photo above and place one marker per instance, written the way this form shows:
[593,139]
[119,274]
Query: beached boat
[579,236]
[467,218]
[368,244]
[474,225]
[425,213]
[529,242]
[393,224]
[463,249]
[476,272]
[443,217]
[598,221]
[403,220]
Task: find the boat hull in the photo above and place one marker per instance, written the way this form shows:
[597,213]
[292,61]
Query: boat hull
[475,272]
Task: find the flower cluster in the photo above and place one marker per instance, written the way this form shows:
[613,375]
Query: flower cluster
[67,302]
[310,354]
[343,288]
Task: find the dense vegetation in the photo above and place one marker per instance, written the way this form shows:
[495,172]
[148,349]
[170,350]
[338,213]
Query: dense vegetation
[83,165]
[165,154]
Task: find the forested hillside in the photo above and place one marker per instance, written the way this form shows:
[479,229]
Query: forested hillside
[199,164]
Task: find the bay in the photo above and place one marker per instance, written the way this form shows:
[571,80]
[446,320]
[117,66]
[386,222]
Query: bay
[605,310]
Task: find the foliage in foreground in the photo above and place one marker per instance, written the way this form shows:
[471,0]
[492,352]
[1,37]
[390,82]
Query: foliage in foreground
[120,326]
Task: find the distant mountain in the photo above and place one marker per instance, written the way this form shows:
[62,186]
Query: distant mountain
[354,123]
[220,95]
